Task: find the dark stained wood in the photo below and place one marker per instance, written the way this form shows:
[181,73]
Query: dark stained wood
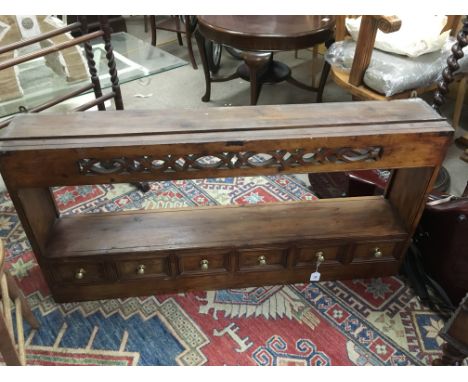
[266,33]
[92,256]
[257,34]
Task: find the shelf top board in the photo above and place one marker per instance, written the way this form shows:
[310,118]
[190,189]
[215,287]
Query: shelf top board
[178,126]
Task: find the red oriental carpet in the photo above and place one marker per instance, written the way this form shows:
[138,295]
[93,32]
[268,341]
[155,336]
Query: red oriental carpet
[356,322]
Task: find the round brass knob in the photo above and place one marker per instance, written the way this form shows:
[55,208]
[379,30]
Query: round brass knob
[262,260]
[377,252]
[141,269]
[204,265]
[320,257]
[80,273]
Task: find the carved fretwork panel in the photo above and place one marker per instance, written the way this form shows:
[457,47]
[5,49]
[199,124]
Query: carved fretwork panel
[227,160]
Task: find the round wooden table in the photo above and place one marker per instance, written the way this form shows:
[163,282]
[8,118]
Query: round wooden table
[258,37]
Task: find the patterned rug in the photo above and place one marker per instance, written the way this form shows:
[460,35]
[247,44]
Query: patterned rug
[357,322]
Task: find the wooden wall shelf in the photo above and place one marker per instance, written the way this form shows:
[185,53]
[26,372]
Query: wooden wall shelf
[107,255]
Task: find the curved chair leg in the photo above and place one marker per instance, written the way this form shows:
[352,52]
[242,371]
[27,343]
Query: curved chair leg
[323,80]
[206,71]
[179,35]
[152,19]
[188,34]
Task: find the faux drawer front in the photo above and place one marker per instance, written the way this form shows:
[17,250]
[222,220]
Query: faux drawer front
[307,256]
[80,273]
[374,251]
[134,269]
[262,259]
[200,262]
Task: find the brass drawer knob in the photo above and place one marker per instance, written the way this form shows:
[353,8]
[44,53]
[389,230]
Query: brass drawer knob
[262,260]
[80,273]
[320,257]
[204,265]
[378,252]
[141,269]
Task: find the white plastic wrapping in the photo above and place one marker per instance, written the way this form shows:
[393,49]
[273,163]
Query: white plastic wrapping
[391,74]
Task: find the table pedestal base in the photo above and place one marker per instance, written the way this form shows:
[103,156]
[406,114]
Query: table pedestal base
[271,73]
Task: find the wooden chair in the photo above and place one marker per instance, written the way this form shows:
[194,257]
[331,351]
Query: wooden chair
[14,355]
[353,81]
[178,24]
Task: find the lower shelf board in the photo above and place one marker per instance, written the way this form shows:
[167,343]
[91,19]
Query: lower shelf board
[222,227]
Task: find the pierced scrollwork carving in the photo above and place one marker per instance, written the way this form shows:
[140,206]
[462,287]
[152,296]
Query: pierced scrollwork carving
[228,160]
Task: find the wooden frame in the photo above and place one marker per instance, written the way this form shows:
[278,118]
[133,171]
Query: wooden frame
[112,255]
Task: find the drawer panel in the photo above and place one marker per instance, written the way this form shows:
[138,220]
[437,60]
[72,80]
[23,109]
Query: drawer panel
[202,262]
[140,268]
[307,256]
[79,273]
[375,250]
[260,259]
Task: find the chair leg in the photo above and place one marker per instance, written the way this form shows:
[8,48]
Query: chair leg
[315,67]
[323,80]
[153,29]
[188,34]
[179,35]
[203,55]
[7,345]
[17,294]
